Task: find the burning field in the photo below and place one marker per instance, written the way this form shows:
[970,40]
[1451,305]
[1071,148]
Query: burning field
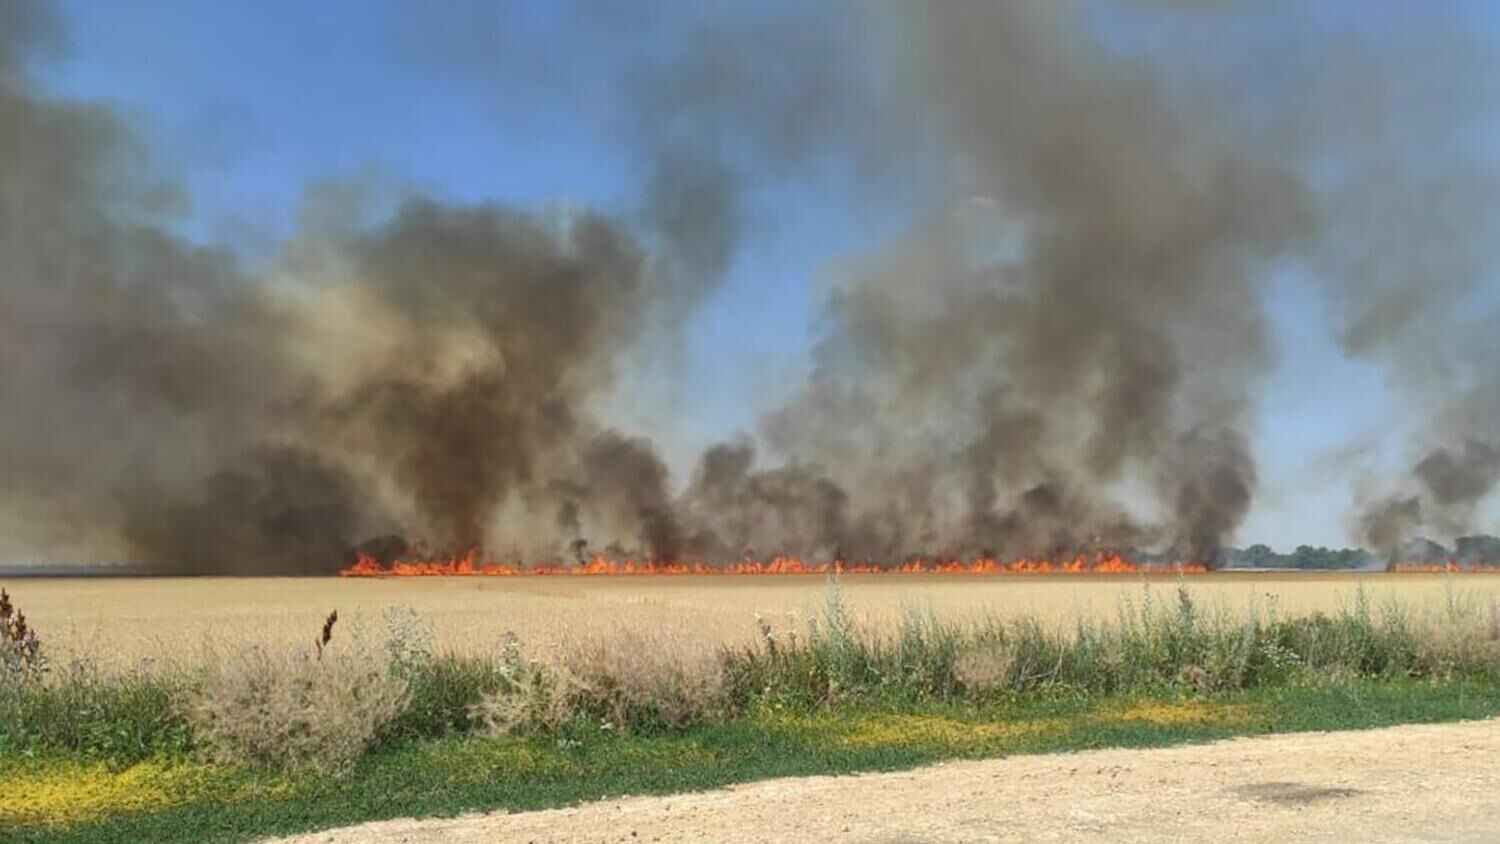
[1061,348]
[627,402]
[473,565]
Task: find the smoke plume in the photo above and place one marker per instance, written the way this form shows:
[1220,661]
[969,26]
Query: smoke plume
[1446,485]
[170,408]
[1093,316]
[1060,354]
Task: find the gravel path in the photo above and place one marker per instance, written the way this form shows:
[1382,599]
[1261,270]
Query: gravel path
[1420,783]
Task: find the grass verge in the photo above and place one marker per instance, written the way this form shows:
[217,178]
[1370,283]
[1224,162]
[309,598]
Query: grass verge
[173,798]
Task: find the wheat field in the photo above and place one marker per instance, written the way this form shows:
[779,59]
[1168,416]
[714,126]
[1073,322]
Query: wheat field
[122,622]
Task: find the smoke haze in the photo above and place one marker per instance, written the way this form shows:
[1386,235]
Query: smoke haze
[1061,354]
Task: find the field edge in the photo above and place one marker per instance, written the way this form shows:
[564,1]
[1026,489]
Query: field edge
[177,799]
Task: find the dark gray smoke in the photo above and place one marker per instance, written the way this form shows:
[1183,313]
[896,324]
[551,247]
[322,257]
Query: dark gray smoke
[279,509]
[126,356]
[1061,355]
[1090,316]
[167,407]
[1456,481]
[627,480]
[533,313]
[1385,525]
[739,510]
[430,377]
[1442,495]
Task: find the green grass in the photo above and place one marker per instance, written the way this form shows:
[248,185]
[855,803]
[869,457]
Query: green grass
[447,776]
[121,719]
[86,757]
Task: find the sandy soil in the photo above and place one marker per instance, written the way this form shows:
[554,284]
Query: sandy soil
[1423,783]
[127,619]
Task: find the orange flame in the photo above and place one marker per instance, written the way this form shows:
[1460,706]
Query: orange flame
[1450,567]
[470,565]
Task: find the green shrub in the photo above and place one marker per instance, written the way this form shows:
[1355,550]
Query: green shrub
[441,695]
[442,690]
[81,712]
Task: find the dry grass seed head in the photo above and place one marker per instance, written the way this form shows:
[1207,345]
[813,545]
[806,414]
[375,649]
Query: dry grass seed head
[984,670]
[290,711]
[676,680]
[540,699]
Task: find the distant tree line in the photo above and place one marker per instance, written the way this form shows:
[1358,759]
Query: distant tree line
[1467,550]
[1304,557]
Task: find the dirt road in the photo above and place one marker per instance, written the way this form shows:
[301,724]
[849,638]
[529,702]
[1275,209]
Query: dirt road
[1424,783]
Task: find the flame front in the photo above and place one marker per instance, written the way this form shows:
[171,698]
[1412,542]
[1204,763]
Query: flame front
[471,565]
[1450,567]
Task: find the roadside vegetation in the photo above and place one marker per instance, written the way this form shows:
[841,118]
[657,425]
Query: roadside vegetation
[370,724]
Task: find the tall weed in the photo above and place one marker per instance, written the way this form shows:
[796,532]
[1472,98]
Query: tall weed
[291,711]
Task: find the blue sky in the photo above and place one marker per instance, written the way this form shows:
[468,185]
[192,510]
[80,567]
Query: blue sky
[245,104]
